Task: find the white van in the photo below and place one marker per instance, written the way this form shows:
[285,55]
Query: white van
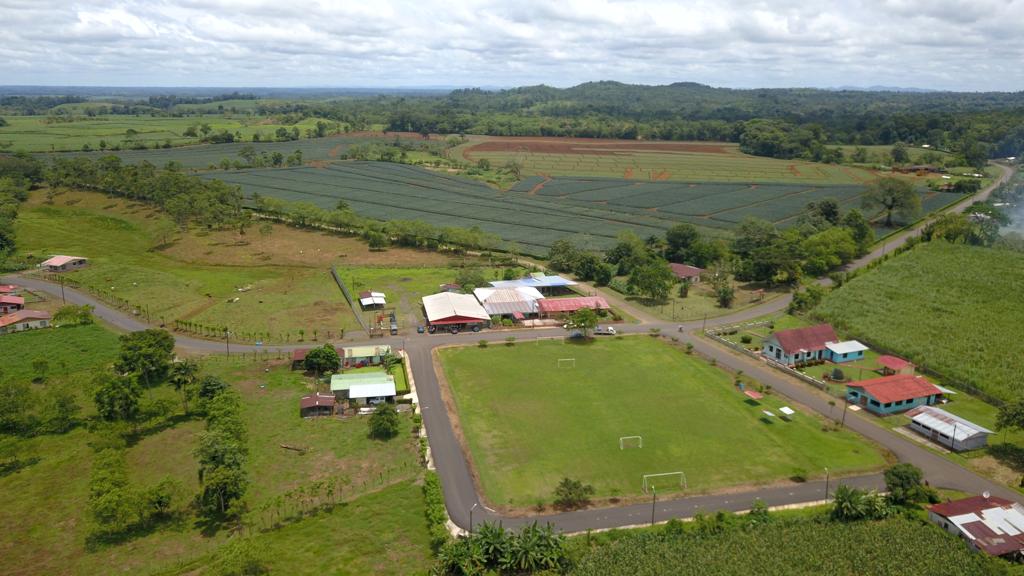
[605,330]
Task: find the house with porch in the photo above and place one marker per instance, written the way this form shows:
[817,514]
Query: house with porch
[357,356]
[798,345]
[63,263]
[892,394]
[24,320]
[341,384]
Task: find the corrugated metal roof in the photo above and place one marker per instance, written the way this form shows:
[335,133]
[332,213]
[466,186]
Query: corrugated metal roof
[60,260]
[946,423]
[995,525]
[372,390]
[549,305]
[805,339]
[898,387]
[847,347]
[22,316]
[535,281]
[346,381]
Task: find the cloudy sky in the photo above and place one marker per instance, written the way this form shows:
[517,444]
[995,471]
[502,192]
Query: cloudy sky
[946,44]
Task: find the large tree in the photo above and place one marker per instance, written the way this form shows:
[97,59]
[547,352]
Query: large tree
[322,360]
[584,320]
[116,397]
[894,196]
[384,423]
[147,354]
[184,376]
[652,280]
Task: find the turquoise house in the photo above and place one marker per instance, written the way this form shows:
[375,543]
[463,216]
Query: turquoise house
[892,394]
[847,351]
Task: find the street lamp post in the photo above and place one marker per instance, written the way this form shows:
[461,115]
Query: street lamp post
[475,504]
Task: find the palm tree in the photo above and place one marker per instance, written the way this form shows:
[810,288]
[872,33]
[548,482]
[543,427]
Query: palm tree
[183,377]
[848,503]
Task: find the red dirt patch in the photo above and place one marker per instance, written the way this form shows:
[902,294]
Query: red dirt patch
[627,173]
[533,191]
[334,152]
[793,170]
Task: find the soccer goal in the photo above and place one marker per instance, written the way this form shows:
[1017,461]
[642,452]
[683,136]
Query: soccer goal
[631,442]
[664,479]
[566,362]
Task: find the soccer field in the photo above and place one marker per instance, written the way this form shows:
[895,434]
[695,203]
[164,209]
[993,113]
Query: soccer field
[530,422]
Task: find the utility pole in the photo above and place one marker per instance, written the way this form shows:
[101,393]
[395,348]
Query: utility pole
[227,341]
[826,484]
[843,423]
[654,503]
[704,326]
[62,299]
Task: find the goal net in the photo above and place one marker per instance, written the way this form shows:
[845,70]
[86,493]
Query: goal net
[566,362]
[631,442]
[672,479]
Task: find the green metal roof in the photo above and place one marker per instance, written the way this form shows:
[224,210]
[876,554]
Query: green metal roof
[366,351]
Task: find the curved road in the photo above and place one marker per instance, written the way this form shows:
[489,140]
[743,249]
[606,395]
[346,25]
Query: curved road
[460,492]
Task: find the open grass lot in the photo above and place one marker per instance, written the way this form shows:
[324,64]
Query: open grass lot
[529,423]
[948,308]
[68,351]
[651,161]
[377,527]
[137,254]
[536,212]
[205,156]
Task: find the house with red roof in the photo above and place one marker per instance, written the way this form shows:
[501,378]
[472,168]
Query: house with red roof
[24,320]
[10,304]
[892,394]
[988,523]
[686,272]
[894,365]
[798,345]
[319,404]
[8,288]
[550,307]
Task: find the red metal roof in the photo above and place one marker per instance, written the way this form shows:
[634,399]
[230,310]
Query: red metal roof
[17,300]
[7,288]
[983,531]
[897,387]
[23,315]
[685,270]
[968,505]
[549,305]
[318,399]
[810,338]
[893,362]
[754,394]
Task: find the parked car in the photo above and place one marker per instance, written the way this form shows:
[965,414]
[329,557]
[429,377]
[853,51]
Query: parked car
[420,329]
[605,330]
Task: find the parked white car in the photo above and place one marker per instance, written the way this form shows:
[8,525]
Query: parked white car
[605,330]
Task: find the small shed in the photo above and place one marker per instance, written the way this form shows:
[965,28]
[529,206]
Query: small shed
[948,430]
[24,320]
[9,289]
[369,299]
[895,365]
[372,393]
[61,263]
[846,351]
[319,404]
[10,304]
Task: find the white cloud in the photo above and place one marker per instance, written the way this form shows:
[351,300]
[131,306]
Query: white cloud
[964,45]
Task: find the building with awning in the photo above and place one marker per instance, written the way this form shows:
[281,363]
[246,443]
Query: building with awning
[372,392]
[560,306]
[547,284]
[341,384]
[451,310]
[368,299]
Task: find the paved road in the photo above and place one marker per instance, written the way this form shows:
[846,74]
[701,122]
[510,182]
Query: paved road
[460,492]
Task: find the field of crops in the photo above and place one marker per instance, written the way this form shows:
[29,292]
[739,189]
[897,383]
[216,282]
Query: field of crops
[897,546]
[653,161]
[949,308]
[538,211]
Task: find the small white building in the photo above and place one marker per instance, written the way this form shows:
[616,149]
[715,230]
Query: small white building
[946,429]
[369,299]
[62,263]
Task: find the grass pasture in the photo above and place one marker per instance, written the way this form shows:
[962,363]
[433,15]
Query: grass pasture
[138,255]
[526,433]
[205,156]
[951,309]
[377,527]
[35,134]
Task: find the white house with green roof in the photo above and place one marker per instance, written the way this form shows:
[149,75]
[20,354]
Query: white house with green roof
[342,384]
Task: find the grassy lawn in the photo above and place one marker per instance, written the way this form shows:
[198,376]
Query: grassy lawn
[699,302]
[379,527]
[137,255]
[70,350]
[528,423]
[401,382]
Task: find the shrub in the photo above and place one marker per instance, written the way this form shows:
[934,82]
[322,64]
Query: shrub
[571,494]
[746,339]
[384,422]
[689,347]
[482,343]
[837,375]
[437,516]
